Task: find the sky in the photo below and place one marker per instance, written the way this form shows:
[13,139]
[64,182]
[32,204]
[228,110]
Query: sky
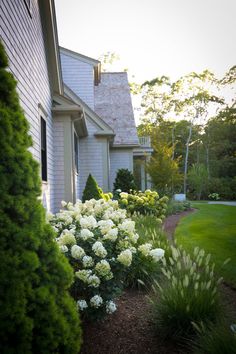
[152,37]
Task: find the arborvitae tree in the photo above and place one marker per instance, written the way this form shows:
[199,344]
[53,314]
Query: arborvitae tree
[92,190]
[37,315]
[124,180]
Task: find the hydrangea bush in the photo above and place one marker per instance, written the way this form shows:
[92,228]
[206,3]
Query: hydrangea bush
[145,203]
[101,245]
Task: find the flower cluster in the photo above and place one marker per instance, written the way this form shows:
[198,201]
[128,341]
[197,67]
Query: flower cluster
[145,203]
[100,243]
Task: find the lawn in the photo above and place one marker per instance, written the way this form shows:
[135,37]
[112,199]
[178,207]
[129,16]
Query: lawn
[213,228]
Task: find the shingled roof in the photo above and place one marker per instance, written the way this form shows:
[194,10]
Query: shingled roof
[113,104]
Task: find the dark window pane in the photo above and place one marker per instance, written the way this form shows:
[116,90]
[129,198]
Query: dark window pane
[76,153]
[43,150]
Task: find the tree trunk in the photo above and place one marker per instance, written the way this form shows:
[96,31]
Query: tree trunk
[173,142]
[186,157]
[207,161]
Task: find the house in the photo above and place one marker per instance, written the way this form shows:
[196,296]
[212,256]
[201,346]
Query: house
[81,120]
[29,33]
[106,97]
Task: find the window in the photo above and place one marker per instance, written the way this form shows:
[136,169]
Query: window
[76,153]
[44,173]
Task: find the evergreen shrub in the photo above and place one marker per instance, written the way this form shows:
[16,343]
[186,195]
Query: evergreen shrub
[124,180]
[37,315]
[92,190]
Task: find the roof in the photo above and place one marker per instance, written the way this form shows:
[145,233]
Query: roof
[49,26]
[95,63]
[113,104]
[103,127]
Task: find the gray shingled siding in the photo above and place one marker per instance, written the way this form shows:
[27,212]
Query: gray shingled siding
[24,44]
[120,158]
[91,151]
[113,104]
[79,77]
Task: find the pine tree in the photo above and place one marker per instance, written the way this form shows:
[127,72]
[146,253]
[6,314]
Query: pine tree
[92,190]
[37,315]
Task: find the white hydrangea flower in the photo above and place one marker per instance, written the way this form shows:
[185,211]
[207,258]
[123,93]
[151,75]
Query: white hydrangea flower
[125,257]
[128,226]
[63,248]
[87,261]
[124,195]
[157,254]
[83,275]
[77,252]
[82,305]
[110,307]
[145,249]
[63,203]
[99,249]
[88,222]
[105,226]
[96,301]
[67,238]
[111,235]
[103,269]
[94,281]
[85,234]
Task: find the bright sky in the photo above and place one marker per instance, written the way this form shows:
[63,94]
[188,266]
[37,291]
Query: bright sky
[152,37]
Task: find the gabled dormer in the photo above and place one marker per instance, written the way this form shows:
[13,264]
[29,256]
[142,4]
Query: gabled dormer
[80,73]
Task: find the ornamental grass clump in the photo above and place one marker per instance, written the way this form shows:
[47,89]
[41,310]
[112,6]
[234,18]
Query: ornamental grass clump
[37,315]
[187,294]
[144,203]
[151,236]
[219,338]
[101,245]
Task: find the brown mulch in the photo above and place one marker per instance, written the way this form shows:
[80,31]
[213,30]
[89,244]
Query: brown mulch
[130,330]
[172,221]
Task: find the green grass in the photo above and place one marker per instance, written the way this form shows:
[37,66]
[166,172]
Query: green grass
[213,228]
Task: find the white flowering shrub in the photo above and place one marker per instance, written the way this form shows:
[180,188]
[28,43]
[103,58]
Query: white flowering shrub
[144,203]
[101,245]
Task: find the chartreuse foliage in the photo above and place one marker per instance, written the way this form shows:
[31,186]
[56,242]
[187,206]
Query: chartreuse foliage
[144,203]
[36,313]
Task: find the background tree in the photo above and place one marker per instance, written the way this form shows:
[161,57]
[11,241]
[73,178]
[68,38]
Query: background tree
[37,315]
[198,178]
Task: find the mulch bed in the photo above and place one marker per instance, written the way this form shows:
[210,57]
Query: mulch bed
[130,330]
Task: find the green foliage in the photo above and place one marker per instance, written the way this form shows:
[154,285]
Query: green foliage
[175,207]
[150,231]
[124,180]
[187,294]
[144,203]
[215,339]
[92,190]
[36,313]
[197,179]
